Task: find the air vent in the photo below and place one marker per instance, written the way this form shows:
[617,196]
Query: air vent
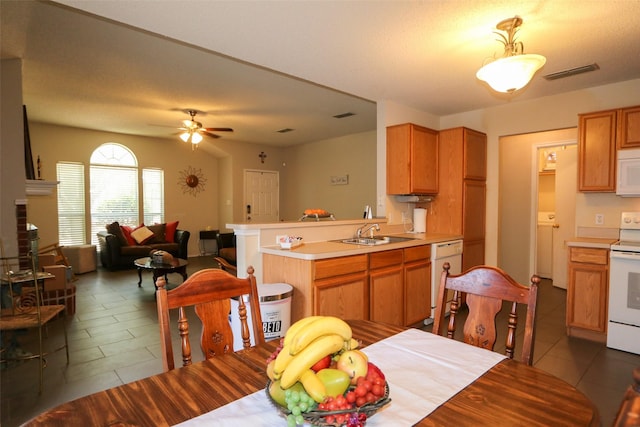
[285,130]
[343,115]
[572,72]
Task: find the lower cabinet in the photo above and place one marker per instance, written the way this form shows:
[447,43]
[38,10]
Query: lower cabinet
[417,284]
[587,293]
[341,287]
[386,286]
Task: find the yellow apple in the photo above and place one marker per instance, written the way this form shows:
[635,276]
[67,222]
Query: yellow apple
[277,393]
[354,363]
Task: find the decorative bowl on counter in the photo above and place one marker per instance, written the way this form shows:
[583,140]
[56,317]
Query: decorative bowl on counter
[289,242]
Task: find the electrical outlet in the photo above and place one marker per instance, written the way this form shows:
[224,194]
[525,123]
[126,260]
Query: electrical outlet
[599,219]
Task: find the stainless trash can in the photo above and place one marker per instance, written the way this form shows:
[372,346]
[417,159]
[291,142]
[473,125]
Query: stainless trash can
[275,308]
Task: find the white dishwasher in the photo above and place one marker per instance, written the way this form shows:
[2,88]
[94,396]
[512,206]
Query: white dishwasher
[451,252]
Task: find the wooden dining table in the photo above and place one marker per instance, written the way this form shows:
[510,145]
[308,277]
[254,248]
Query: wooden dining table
[510,393]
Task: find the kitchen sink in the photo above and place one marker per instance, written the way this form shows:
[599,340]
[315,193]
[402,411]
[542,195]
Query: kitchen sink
[376,240]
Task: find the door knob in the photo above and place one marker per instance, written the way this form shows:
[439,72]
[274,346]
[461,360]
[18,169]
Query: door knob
[556,225]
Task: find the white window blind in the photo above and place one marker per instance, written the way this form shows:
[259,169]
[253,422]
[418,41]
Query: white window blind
[153,195]
[71,204]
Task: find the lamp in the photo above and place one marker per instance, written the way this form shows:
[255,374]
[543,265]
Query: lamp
[191,136]
[515,69]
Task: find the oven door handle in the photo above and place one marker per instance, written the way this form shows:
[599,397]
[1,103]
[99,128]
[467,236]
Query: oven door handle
[625,255]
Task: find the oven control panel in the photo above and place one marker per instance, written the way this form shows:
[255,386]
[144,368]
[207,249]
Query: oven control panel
[630,221]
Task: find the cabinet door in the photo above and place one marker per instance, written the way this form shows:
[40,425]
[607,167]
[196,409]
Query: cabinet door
[629,127]
[387,295]
[475,155]
[472,253]
[417,297]
[345,297]
[597,152]
[587,297]
[424,161]
[474,208]
[412,159]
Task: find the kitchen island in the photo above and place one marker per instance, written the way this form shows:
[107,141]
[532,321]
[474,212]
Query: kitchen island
[388,282]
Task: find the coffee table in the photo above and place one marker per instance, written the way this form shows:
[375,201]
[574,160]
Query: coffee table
[178,265]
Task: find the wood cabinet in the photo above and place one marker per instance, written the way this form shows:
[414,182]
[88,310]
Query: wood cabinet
[417,284]
[597,151]
[386,284]
[341,287]
[460,207]
[587,293]
[392,286]
[629,127]
[600,134]
[412,159]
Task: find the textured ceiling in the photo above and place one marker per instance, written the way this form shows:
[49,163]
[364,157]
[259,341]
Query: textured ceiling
[135,75]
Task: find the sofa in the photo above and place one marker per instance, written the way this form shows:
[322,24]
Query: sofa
[121,245]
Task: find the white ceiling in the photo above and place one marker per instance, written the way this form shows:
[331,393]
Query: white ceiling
[160,57]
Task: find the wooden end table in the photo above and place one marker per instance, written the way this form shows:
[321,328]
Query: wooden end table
[178,265]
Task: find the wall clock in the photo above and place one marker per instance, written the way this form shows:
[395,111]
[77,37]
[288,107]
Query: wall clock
[192,180]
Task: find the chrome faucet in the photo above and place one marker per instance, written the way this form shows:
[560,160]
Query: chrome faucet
[363,230]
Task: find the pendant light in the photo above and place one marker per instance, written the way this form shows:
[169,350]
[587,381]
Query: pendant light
[515,69]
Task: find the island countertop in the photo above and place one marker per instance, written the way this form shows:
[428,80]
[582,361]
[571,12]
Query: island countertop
[335,248]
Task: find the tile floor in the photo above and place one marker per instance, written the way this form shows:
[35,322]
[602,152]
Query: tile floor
[113,338]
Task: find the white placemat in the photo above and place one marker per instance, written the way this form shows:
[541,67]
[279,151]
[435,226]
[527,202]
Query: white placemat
[423,371]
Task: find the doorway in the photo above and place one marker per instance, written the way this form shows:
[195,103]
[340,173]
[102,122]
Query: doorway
[555,190]
[261,196]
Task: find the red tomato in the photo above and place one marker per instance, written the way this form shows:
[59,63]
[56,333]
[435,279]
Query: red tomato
[351,397]
[370,397]
[360,391]
[377,390]
[323,363]
[361,401]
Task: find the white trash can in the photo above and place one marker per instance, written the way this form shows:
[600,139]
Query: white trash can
[275,308]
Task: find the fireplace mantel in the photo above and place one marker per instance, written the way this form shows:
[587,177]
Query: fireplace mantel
[38,187]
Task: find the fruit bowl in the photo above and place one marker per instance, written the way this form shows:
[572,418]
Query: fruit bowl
[318,417]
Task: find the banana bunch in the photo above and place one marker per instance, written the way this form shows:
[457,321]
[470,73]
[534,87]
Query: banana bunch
[306,342]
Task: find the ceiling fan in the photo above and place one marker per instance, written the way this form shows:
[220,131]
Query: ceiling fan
[192,131]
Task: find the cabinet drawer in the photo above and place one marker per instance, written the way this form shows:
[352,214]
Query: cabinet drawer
[339,266]
[385,258]
[417,253]
[590,255]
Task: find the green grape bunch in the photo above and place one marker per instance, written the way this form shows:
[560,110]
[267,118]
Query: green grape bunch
[298,402]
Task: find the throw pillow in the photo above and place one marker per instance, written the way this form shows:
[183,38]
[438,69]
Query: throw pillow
[114,228]
[158,233]
[142,235]
[126,230]
[170,231]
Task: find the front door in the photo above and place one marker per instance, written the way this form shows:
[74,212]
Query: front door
[261,196]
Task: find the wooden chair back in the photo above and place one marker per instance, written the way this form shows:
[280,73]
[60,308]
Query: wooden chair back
[486,289]
[629,412]
[226,266]
[209,291]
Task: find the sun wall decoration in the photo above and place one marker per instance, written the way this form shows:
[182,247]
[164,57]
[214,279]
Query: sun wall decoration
[192,180]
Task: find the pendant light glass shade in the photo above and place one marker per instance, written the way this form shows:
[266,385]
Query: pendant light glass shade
[193,137]
[515,69]
[511,73]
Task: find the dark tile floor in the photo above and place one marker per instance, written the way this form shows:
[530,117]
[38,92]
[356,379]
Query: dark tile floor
[114,339]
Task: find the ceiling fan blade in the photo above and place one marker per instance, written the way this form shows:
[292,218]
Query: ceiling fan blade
[219,129]
[212,135]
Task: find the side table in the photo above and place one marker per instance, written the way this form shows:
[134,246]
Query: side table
[208,240]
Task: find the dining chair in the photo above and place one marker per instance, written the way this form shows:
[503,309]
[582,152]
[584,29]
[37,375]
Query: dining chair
[487,289]
[629,413]
[209,291]
[26,311]
[226,266]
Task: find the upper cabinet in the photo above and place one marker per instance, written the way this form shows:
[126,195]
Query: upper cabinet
[629,127]
[600,133]
[412,160]
[597,151]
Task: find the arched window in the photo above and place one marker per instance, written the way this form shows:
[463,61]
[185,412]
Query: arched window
[113,189]
[113,193]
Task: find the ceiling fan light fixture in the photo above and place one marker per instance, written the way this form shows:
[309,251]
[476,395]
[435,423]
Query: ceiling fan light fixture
[515,69]
[185,136]
[196,138]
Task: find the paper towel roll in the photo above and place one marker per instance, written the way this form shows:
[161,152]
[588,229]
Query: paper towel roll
[419,220]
